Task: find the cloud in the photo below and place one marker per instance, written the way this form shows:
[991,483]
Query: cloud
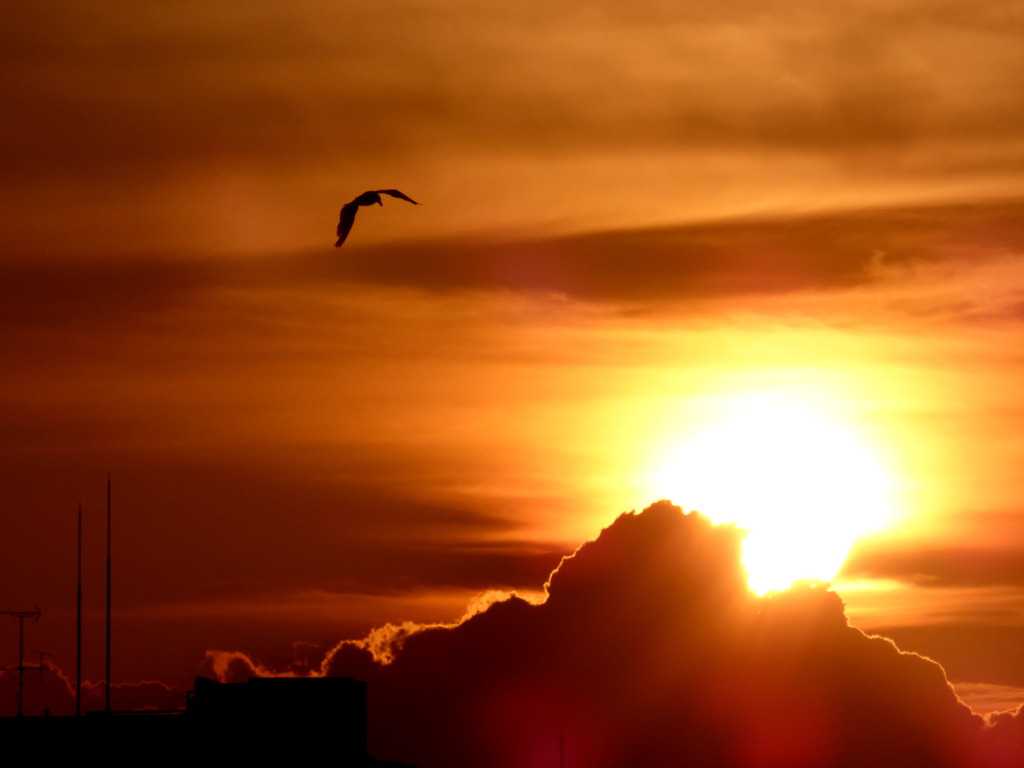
[235,667]
[940,566]
[741,257]
[138,85]
[651,649]
[208,124]
[361,425]
[56,693]
[987,698]
[970,651]
[913,255]
[884,604]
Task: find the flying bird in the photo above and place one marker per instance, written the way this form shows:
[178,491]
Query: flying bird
[348,210]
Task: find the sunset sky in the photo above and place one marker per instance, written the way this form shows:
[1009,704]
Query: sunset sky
[743,255]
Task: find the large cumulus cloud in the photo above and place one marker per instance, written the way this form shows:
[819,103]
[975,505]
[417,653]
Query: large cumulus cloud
[651,650]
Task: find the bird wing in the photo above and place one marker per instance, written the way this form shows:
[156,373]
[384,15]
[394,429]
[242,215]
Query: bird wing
[348,216]
[396,193]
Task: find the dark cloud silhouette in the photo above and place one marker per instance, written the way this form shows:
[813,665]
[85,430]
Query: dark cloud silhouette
[708,260]
[739,257]
[651,650]
[1006,737]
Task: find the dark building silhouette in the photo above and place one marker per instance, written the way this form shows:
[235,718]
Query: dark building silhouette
[275,719]
[330,705]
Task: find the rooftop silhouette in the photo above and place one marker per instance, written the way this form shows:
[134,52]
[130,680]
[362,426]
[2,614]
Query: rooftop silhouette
[279,719]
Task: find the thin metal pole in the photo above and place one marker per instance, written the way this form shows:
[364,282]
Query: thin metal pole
[21,663]
[78,624]
[21,616]
[106,686]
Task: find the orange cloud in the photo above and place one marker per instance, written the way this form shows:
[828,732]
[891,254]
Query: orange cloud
[229,130]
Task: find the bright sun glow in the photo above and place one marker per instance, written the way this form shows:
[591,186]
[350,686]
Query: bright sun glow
[805,487]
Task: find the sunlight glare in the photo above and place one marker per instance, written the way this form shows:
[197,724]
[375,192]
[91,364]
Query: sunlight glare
[803,486]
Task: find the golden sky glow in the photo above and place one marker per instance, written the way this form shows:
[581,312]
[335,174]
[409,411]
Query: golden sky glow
[762,259]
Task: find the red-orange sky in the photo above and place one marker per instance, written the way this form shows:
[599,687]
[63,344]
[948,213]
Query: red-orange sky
[632,212]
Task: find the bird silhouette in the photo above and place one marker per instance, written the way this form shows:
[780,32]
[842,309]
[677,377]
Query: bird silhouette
[348,210]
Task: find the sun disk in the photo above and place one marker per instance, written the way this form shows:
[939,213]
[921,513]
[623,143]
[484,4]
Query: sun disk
[802,485]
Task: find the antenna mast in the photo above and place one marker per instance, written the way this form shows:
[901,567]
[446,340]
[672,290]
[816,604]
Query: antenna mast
[78,624]
[106,685]
[22,615]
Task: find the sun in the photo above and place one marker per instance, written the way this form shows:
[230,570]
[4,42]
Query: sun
[804,486]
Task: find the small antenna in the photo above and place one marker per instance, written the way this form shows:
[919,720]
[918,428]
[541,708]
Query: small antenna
[106,684]
[78,624]
[21,616]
